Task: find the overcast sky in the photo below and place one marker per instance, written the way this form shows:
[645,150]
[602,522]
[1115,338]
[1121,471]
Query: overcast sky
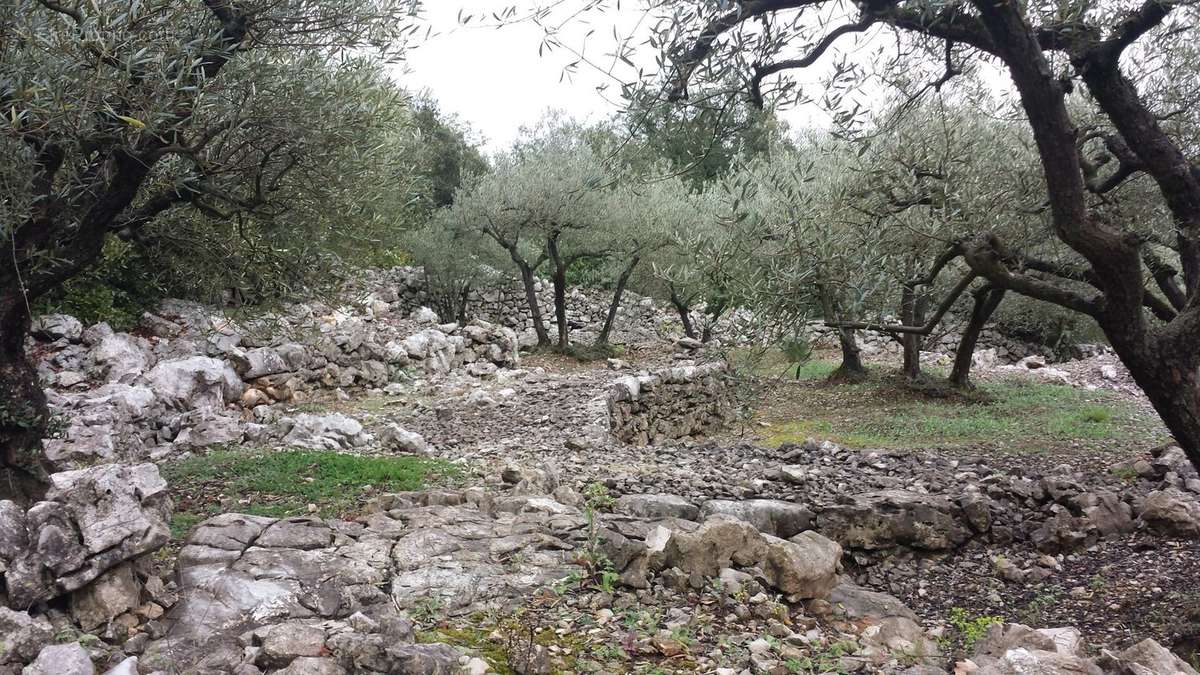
[494,78]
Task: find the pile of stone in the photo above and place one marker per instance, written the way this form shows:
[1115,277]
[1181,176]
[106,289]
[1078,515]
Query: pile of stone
[1014,648]
[187,376]
[502,301]
[80,560]
[669,404]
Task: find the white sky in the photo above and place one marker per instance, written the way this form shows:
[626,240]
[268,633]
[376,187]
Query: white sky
[494,78]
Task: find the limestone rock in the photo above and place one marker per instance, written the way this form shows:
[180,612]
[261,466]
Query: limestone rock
[66,659]
[889,518]
[263,361]
[120,357]
[22,636]
[194,383]
[334,431]
[719,542]
[395,438]
[57,327]
[1145,658]
[771,516]
[90,521]
[1172,512]
[108,596]
[805,566]
[654,506]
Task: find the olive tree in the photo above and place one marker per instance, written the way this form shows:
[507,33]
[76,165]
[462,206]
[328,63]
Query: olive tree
[642,219]
[116,115]
[542,203]
[1110,54]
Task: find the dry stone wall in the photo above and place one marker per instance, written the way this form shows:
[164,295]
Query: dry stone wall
[638,319]
[670,404]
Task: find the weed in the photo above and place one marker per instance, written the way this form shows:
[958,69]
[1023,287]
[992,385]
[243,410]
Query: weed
[427,610]
[971,629]
[284,483]
[1125,473]
[1034,612]
[1011,415]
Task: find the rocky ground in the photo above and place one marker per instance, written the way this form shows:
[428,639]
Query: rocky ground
[551,547]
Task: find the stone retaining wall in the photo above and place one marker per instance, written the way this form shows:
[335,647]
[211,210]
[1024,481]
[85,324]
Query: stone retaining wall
[670,404]
[639,318]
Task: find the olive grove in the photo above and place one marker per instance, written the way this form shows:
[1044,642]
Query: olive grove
[1105,90]
[170,123]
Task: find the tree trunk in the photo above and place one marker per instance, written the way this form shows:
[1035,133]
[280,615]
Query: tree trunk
[23,411]
[1165,366]
[560,291]
[685,314]
[910,342]
[463,297]
[852,367]
[987,299]
[611,317]
[531,299]
[712,315]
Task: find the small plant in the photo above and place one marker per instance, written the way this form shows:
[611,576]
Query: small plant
[598,569]
[609,652]
[1095,415]
[427,610]
[824,660]
[1034,612]
[971,629]
[1126,473]
[797,351]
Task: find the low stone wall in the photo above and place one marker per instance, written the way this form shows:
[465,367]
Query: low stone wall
[670,404]
[639,318]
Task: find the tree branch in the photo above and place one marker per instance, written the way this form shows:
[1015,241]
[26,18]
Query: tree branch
[986,256]
[761,72]
[926,329]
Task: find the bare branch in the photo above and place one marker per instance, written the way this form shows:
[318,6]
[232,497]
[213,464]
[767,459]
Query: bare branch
[761,72]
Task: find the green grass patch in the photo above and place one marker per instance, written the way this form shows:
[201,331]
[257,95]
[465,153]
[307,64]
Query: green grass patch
[1012,415]
[284,483]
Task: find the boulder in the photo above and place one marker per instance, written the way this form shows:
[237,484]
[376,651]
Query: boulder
[334,431]
[771,516]
[424,315]
[256,363]
[120,357]
[110,595]
[91,520]
[312,665]
[194,383]
[13,536]
[395,438]
[57,327]
[1144,658]
[805,566]
[858,602]
[655,506]
[22,636]
[1014,649]
[890,518]
[1172,513]
[426,659]
[66,659]
[719,542]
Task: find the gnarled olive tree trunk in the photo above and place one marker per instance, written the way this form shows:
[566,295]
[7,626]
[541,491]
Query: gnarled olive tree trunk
[987,299]
[611,317]
[23,410]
